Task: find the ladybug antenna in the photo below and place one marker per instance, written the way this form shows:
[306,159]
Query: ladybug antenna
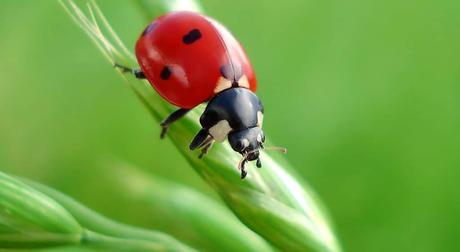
[276,148]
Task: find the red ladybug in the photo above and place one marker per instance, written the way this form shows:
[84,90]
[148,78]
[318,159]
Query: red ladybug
[190,59]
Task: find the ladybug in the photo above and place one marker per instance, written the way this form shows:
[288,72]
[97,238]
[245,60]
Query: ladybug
[191,59]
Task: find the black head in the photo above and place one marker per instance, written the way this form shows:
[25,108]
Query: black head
[247,142]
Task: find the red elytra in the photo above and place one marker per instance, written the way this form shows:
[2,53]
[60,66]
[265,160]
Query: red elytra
[188,58]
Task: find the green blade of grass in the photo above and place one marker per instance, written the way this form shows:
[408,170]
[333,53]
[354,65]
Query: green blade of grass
[214,227]
[106,232]
[271,201]
[30,219]
[33,216]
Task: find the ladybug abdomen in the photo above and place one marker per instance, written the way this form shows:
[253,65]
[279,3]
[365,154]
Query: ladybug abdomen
[188,58]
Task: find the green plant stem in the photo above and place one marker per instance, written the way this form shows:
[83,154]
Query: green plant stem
[29,218]
[104,226]
[217,227]
[37,240]
[99,241]
[21,201]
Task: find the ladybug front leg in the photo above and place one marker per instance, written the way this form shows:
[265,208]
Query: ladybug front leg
[242,168]
[136,72]
[174,116]
[199,139]
[206,146]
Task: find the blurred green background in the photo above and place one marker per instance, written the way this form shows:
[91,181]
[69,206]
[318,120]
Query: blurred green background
[364,94]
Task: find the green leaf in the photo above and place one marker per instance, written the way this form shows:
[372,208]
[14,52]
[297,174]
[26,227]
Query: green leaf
[215,226]
[154,8]
[29,218]
[106,233]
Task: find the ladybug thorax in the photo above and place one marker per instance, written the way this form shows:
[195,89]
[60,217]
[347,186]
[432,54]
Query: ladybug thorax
[232,110]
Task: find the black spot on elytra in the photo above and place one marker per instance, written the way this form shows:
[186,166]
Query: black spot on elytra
[191,36]
[149,28]
[165,73]
[232,72]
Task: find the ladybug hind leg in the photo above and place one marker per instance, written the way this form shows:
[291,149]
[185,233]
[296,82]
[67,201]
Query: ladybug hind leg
[136,72]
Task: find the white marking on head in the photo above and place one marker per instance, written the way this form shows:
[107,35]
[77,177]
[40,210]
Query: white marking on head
[220,131]
[245,143]
[222,84]
[259,138]
[260,119]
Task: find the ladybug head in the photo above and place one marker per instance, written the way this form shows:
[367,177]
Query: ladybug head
[247,142]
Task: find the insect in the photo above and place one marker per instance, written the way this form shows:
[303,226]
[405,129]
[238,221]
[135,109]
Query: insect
[190,59]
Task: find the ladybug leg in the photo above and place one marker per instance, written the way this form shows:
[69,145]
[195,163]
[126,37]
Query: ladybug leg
[208,140]
[206,146]
[258,163]
[243,169]
[136,72]
[199,139]
[174,116]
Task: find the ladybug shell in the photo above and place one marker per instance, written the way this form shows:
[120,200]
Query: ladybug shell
[188,58]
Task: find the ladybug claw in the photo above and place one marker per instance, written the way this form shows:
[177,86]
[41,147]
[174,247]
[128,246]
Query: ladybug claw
[206,147]
[203,152]
[242,168]
[122,68]
[164,130]
[243,173]
[137,73]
